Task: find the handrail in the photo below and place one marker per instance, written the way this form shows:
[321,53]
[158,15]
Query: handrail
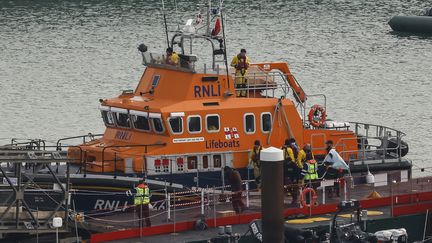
[127,146]
[90,135]
[378,126]
[30,142]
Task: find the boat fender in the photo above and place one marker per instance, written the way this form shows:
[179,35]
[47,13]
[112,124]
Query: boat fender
[370,179]
[313,197]
[317,116]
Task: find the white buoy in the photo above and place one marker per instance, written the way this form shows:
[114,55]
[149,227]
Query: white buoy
[57,223]
[370,178]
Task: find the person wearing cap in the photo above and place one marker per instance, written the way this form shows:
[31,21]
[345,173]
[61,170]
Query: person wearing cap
[171,57]
[241,63]
[255,163]
[141,202]
[291,169]
[234,179]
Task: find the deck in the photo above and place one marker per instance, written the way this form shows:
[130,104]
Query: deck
[396,197]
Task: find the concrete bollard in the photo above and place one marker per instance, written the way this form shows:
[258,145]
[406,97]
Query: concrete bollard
[272,196]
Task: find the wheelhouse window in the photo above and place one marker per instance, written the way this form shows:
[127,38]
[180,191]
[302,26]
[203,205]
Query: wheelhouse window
[108,118]
[192,162]
[213,123]
[141,122]
[176,125]
[249,123]
[266,122]
[217,161]
[194,124]
[121,117]
[157,125]
[205,163]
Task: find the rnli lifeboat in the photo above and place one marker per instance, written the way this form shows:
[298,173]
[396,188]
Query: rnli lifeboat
[184,122]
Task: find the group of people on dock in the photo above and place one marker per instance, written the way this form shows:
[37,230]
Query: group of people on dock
[300,169]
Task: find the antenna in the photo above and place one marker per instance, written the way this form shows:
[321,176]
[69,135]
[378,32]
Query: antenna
[165,22]
[225,49]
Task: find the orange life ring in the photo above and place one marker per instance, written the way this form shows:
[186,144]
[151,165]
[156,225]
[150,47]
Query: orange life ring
[303,197]
[314,112]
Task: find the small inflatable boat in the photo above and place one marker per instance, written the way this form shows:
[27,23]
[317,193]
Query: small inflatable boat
[415,24]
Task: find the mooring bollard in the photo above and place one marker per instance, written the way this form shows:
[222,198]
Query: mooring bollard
[272,196]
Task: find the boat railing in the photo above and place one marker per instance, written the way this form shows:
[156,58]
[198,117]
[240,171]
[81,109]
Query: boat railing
[186,62]
[263,84]
[304,107]
[386,194]
[24,144]
[116,159]
[274,84]
[375,142]
[84,138]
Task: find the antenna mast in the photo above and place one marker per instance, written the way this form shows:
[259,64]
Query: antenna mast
[224,39]
[165,22]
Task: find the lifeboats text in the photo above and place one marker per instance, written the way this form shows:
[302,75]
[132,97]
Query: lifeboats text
[212,144]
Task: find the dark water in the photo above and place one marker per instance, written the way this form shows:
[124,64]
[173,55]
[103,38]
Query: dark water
[57,58]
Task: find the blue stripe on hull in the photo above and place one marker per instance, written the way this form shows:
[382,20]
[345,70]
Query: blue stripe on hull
[201,179]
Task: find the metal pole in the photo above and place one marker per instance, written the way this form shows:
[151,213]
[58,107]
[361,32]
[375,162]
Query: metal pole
[214,206]
[37,224]
[272,201]
[76,226]
[391,196]
[225,49]
[426,223]
[169,206]
[140,220]
[247,193]
[345,189]
[202,202]
[323,196]
[174,211]
[165,22]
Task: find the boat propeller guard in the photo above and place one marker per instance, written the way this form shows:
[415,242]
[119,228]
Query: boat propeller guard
[317,116]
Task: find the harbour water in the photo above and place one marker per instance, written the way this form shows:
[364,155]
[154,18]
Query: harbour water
[58,58]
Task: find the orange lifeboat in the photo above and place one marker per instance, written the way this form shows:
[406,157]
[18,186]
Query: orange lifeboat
[183,122]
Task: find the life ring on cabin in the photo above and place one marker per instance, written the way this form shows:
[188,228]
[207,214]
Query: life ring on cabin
[313,199]
[317,116]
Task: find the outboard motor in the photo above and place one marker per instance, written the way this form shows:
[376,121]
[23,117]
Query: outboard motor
[350,232]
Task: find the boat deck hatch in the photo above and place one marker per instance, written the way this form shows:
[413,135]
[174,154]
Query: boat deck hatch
[210,103]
